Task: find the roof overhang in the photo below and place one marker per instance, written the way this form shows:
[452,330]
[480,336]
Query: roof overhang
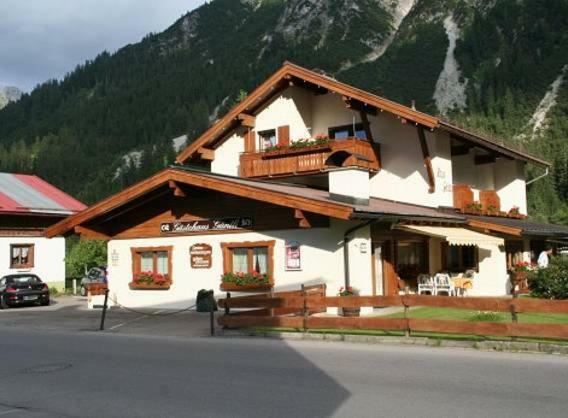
[454,235]
[192,178]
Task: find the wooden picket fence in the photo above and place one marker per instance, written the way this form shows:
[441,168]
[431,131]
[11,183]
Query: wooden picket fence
[297,311]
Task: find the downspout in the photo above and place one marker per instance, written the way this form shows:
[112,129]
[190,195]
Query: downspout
[538,178]
[346,239]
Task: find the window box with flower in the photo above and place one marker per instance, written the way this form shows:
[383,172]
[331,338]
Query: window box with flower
[319,143]
[253,281]
[148,280]
[521,272]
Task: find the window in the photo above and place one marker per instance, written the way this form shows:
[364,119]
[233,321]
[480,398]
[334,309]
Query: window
[157,260]
[21,256]
[411,258]
[267,139]
[248,257]
[459,258]
[348,131]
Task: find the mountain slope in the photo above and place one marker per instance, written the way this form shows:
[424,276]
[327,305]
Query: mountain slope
[9,94]
[497,66]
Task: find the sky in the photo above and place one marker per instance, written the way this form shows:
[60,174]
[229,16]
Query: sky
[45,39]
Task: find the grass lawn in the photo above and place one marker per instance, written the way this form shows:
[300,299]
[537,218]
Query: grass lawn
[468,315]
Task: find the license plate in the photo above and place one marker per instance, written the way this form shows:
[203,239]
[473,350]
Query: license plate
[30,297]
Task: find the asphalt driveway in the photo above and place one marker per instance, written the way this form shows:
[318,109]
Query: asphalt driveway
[70,313]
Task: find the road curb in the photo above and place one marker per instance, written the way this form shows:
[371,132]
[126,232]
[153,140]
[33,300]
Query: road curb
[502,346]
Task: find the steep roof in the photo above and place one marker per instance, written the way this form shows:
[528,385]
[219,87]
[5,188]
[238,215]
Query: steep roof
[279,80]
[28,194]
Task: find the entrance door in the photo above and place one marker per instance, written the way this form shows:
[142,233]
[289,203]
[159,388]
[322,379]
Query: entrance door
[390,278]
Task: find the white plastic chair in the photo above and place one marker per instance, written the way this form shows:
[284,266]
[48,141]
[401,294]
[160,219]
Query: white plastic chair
[443,283]
[425,284]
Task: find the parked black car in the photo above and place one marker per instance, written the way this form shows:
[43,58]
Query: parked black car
[23,289]
[94,275]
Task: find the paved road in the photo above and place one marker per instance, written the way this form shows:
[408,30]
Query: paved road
[83,373]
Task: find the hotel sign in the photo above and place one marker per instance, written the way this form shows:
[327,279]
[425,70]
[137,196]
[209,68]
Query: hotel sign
[206,225]
[200,256]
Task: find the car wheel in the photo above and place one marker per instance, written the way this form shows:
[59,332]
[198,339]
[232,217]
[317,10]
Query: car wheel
[83,291]
[45,302]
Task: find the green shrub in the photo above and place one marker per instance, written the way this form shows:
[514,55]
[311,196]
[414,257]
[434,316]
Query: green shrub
[551,282]
[84,255]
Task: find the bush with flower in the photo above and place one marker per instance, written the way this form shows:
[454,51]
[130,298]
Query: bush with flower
[524,266]
[245,279]
[149,278]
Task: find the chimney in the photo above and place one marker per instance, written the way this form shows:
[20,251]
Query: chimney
[349,185]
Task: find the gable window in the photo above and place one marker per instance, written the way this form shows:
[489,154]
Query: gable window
[21,256]
[156,260]
[347,131]
[248,257]
[459,258]
[267,139]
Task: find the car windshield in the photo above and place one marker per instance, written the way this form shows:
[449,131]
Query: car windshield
[94,274]
[23,280]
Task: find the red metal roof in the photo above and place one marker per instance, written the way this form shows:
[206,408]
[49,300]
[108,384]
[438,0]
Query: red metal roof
[23,193]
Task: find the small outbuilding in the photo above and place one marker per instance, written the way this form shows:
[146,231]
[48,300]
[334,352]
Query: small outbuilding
[28,205]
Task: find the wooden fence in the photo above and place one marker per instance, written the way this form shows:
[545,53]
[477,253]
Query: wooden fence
[297,311]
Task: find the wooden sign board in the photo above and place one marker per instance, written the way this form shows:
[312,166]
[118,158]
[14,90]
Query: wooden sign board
[206,225]
[200,256]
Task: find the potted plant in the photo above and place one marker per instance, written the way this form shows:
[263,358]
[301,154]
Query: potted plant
[514,212]
[147,280]
[520,274]
[301,145]
[346,292]
[492,210]
[241,281]
[474,208]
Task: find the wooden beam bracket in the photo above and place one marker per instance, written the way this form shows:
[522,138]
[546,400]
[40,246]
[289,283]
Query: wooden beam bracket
[427,159]
[303,221]
[178,192]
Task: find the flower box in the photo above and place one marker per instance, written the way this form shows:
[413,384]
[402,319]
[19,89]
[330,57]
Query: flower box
[294,151]
[233,287]
[149,286]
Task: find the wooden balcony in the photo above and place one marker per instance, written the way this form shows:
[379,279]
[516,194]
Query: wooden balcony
[349,152]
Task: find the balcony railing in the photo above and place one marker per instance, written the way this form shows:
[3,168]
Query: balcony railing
[289,161]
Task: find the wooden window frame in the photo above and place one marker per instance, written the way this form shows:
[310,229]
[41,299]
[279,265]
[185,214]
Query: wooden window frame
[445,266]
[31,256]
[136,259]
[227,248]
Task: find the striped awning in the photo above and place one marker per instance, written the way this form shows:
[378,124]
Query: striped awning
[454,235]
[22,193]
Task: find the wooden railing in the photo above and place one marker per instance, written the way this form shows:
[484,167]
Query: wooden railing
[305,304]
[313,159]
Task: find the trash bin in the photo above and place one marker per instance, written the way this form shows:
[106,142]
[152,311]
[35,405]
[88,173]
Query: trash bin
[205,301]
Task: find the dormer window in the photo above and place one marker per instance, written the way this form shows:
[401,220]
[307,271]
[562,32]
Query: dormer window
[267,139]
[347,131]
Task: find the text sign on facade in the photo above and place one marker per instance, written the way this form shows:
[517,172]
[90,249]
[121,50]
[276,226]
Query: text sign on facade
[206,225]
[200,256]
[293,256]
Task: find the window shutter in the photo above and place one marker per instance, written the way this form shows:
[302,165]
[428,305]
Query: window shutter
[284,135]
[250,143]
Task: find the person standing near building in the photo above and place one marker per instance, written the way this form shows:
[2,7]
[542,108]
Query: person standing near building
[544,257]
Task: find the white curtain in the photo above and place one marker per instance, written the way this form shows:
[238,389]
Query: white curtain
[147,261]
[15,252]
[260,260]
[24,251]
[240,261]
[163,262]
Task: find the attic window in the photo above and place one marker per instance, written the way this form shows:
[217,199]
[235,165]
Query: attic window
[347,131]
[267,139]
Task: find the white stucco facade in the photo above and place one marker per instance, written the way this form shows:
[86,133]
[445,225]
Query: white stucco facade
[49,258]
[321,262]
